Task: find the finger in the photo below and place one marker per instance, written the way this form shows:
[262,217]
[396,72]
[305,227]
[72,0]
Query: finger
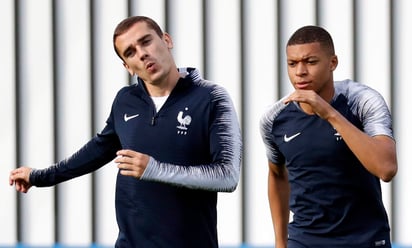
[12,178]
[123,160]
[122,166]
[18,186]
[118,159]
[24,189]
[287,100]
[13,173]
[126,152]
[16,174]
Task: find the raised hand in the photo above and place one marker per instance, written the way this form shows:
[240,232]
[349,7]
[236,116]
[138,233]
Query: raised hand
[20,178]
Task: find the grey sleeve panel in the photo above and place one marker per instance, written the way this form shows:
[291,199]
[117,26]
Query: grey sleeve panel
[224,172]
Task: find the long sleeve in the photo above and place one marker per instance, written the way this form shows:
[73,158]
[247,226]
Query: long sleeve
[93,155]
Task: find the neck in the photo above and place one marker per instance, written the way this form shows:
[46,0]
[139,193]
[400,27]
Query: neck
[164,86]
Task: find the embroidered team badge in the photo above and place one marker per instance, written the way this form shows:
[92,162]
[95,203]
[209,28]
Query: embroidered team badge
[184,122]
[337,136]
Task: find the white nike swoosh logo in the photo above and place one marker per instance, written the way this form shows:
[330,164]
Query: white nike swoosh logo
[127,118]
[287,139]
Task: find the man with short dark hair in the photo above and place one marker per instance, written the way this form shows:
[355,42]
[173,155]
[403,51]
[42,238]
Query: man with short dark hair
[328,143]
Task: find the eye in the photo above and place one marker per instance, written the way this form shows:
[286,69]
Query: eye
[291,63]
[312,61]
[129,53]
[146,42]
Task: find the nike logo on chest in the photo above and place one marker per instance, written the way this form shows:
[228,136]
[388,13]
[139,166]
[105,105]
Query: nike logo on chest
[287,139]
[128,118]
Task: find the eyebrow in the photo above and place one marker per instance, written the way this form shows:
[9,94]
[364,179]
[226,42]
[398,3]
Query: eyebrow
[304,58]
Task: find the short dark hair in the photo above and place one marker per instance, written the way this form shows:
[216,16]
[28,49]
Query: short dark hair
[310,34]
[127,23]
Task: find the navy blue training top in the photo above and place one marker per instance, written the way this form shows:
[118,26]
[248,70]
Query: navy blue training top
[335,201]
[195,148]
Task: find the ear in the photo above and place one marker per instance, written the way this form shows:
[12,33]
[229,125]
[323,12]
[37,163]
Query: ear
[168,39]
[128,69]
[333,62]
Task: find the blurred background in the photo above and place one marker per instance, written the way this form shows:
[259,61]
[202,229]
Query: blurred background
[59,75]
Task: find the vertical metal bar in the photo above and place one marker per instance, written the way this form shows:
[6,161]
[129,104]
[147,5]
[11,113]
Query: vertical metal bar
[243,68]
[167,16]
[355,40]
[393,79]
[317,13]
[280,48]
[17,24]
[204,38]
[93,125]
[55,107]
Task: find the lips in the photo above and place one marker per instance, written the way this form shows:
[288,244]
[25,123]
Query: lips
[149,65]
[301,85]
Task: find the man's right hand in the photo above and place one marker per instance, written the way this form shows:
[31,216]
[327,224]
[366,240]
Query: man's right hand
[20,177]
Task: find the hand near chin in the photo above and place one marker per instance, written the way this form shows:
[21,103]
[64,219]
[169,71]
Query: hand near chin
[311,103]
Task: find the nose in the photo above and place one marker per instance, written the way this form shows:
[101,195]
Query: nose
[301,69]
[142,53]
[144,56]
